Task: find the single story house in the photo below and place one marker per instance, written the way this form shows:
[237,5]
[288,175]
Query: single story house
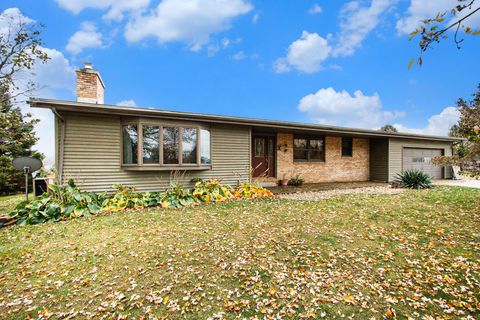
[100,145]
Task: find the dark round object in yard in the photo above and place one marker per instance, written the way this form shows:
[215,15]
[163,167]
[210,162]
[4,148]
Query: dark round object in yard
[33,164]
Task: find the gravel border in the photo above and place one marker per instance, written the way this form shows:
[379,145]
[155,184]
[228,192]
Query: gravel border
[320,195]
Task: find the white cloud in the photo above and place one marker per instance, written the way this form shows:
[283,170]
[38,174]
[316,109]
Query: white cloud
[328,106]
[189,21]
[421,9]
[56,74]
[116,8]
[127,103]
[225,43]
[315,9]
[356,23]
[438,124]
[215,46]
[9,15]
[305,54]
[86,37]
[240,55]
[309,52]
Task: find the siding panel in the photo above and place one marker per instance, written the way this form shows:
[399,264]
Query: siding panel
[395,153]
[93,146]
[379,159]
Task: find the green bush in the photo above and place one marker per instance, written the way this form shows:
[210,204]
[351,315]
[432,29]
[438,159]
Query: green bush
[62,202]
[414,179]
[177,196]
[296,181]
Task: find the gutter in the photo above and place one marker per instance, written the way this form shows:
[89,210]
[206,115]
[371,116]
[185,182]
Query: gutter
[61,146]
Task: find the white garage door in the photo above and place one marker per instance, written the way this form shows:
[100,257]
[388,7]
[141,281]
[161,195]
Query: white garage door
[415,158]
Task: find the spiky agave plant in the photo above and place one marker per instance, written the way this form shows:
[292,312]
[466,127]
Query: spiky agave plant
[414,179]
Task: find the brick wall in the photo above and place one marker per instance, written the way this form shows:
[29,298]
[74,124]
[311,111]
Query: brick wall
[89,87]
[335,168]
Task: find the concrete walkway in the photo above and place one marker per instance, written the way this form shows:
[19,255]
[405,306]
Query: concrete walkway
[465,182]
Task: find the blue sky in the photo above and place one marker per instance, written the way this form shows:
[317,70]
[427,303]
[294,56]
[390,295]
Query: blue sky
[331,62]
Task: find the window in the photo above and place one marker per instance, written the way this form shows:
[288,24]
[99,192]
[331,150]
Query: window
[259,147]
[130,144]
[205,146]
[422,159]
[309,149]
[156,144]
[347,147]
[151,144]
[170,145]
[189,145]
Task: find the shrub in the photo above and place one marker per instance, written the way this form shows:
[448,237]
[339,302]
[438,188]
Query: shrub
[177,196]
[250,191]
[414,179]
[124,198]
[296,181]
[63,202]
[68,201]
[212,191]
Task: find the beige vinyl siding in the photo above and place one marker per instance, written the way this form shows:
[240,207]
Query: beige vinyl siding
[395,153]
[379,159]
[93,148]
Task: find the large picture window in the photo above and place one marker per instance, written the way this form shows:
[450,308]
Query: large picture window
[167,146]
[308,149]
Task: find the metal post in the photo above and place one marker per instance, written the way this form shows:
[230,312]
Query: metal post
[26,186]
[26,171]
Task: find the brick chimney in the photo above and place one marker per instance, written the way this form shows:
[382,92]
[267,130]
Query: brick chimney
[90,87]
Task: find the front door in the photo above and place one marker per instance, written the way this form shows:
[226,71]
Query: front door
[263,156]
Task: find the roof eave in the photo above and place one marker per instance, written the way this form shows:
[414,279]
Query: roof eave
[178,115]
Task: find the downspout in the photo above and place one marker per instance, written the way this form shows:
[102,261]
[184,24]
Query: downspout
[61,146]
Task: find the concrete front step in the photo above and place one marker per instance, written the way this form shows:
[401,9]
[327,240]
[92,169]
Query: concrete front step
[266,184]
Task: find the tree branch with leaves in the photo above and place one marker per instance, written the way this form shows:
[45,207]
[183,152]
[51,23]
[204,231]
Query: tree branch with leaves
[434,30]
[20,49]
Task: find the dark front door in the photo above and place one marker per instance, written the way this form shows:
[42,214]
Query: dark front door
[263,156]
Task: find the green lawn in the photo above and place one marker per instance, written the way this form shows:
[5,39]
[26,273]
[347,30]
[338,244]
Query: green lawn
[415,254]
[8,203]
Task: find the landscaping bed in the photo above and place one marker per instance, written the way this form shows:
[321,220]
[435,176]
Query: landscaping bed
[416,254]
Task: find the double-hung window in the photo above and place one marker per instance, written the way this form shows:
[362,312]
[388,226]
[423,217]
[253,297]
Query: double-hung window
[309,149]
[162,145]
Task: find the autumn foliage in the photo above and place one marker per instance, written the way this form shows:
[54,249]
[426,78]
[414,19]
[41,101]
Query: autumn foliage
[64,202]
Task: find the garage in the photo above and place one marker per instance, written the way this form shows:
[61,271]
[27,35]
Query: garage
[418,158]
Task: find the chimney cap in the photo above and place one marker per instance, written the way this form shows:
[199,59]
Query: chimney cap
[88,65]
